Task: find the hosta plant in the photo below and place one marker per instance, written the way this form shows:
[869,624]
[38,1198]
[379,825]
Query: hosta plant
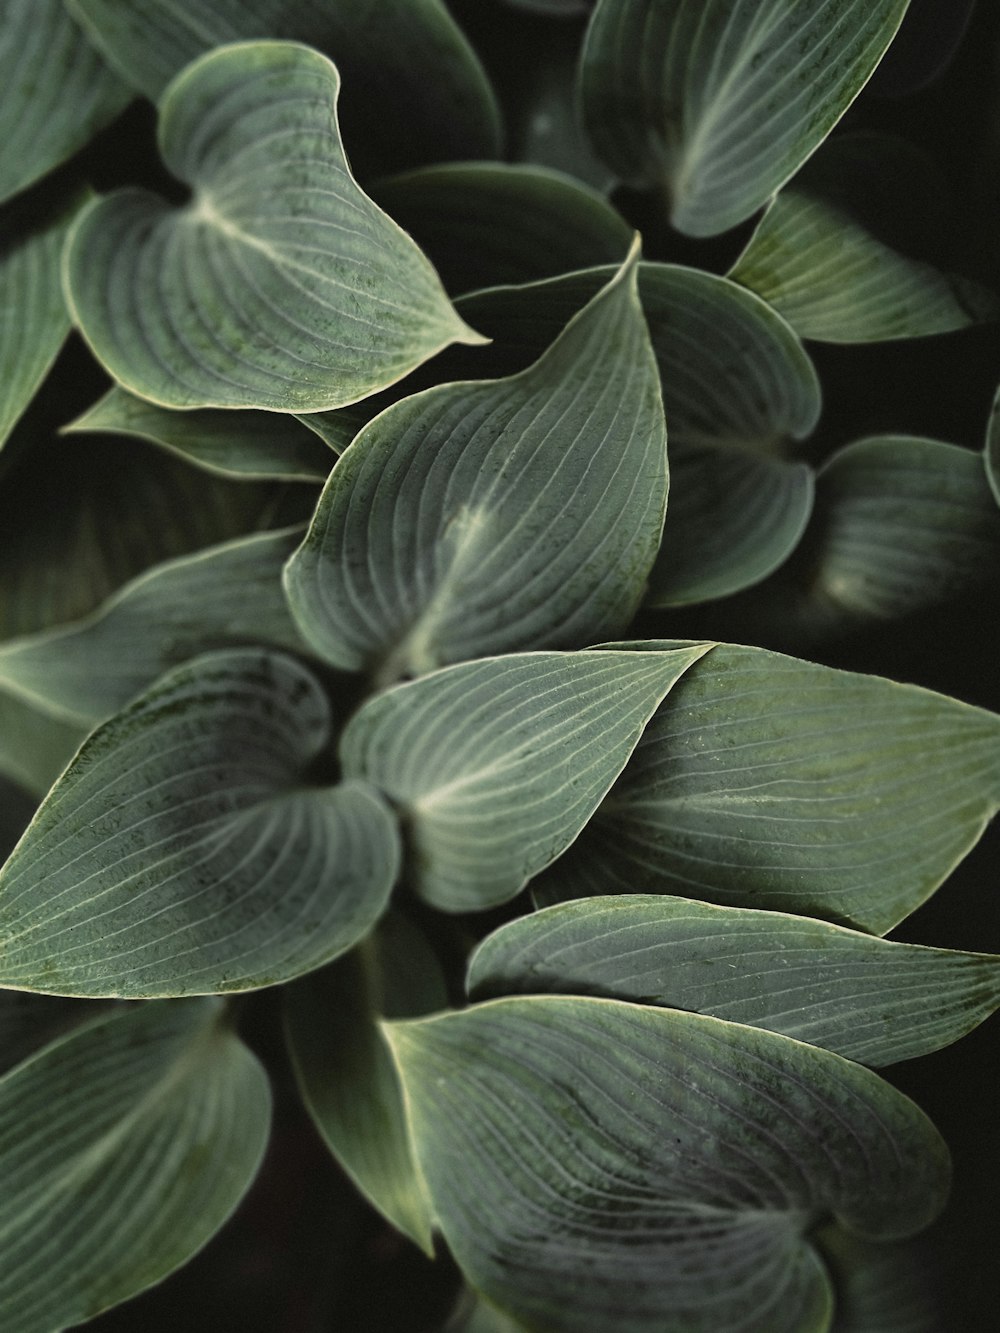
[500,509]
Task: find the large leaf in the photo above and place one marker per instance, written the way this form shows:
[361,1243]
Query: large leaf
[265,445]
[224,597]
[485,223]
[183,852]
[821,255]
[764,781]
[280,284]
[123,1148]
[33,317]
[57,92]
[868,999]
[477,518]
[719,102]
[623,1169]
[346,1072]
[417,90]
[496,765]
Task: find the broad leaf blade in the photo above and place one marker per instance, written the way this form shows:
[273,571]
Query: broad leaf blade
[680,1173]
[764,781]
[280,285]
[512,514]
[719,102]
[496,765]
[182,853]
[123,1148]
[869,999]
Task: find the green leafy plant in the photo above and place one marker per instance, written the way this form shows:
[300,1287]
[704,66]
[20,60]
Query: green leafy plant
[490,647]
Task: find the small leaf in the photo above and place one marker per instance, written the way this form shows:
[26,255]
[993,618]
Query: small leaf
[346,1072]
[182,852]
[721,101]
[57,91]
[477,518]
[223,597]
[763,781]
[267,445]
[595,1164]
[868,999]
[124,1147]
[486,223]
[280,285]
[496,765]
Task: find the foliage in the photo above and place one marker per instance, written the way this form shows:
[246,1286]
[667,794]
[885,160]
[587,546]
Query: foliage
[478,685]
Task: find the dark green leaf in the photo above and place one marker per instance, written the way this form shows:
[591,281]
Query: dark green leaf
[881,1288]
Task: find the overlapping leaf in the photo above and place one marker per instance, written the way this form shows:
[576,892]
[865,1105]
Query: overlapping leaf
[184,852]
[763,781]
[597,1164]
[123,1148]
[57,91]
[417,90]
[346,1072]
[224,597]
[868,999]
[280,284]
[719,102]
[477,518]
[496,765]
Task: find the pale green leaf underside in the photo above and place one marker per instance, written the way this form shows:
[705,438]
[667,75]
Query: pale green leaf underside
[721,101]
[836,282]
[123,1148]
[280,285]
[224,597]
[418,91]
[182,852]
[33,317]
[679,1171]
[479,518]
[866,998]
[991,452]
[57,92]
[497,764]
[251,445]
[764,781]
[346,1072]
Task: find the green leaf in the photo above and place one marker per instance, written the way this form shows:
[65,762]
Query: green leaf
[28,1022]
[280,284]
[57,92]
[33,317]
[475,1314]
[183,852]
[764,781]
[486,223]
[476,518]
[991,453]
[888,1288]
[719,102]
[223,597]
[595,1164]
[249,445]
[819,255]
[346,1072]
[496,765]
[35,746]
[418,91]
[868,999]
[123,1149]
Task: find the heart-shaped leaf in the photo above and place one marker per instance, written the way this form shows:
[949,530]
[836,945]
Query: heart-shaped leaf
[57,92]
[719,102]
[123,1148]
[601,1165]
[224,597]
[496,765]
[280,285]
[477,518]
[871,1000]
[763,781]
[182,852]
